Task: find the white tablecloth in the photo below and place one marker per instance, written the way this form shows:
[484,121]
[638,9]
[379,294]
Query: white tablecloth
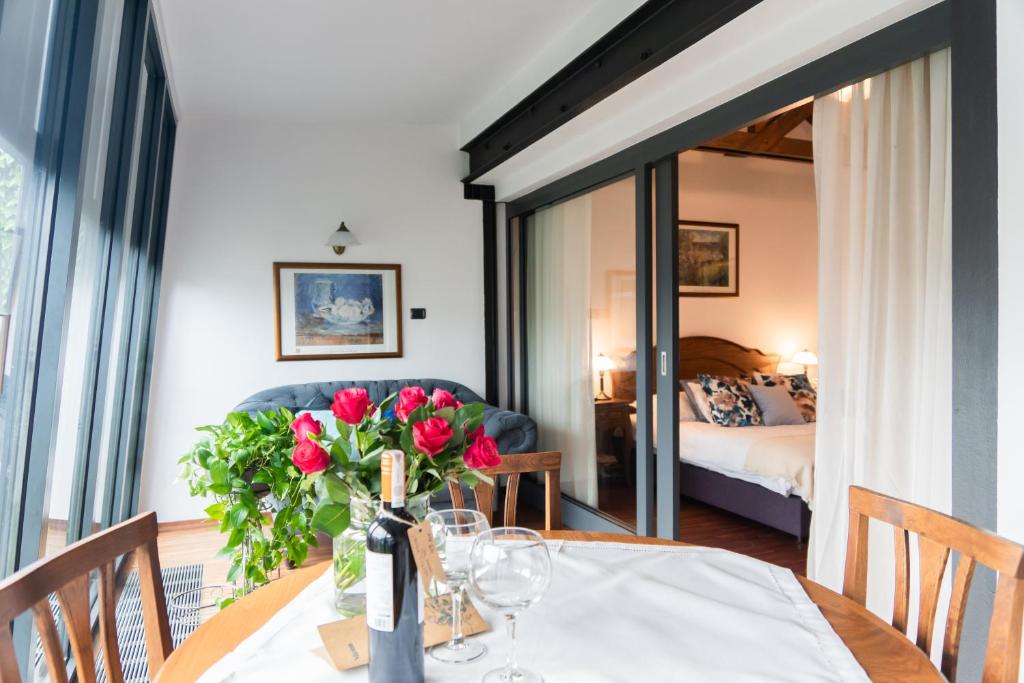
[615,612]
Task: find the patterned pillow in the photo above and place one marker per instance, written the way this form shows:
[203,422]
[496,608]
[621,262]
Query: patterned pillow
[730,401]
[799,387]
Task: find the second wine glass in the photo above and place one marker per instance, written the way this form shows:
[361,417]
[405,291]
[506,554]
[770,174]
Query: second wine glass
[454,533]
[510,570]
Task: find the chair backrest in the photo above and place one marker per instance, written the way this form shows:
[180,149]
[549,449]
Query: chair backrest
[68,576]
[938,534]
[513,465]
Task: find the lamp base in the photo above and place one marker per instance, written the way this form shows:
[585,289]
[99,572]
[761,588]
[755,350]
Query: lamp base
[602,397]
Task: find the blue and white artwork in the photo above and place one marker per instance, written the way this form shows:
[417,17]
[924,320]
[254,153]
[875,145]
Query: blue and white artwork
[338,309]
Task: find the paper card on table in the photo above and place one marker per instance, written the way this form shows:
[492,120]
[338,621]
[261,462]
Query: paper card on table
[428,562]
[347,641]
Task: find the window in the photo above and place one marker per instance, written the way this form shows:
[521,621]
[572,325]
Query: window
[86,140]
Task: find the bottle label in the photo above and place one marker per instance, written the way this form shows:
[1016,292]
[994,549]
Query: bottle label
[380,610]
[420,595]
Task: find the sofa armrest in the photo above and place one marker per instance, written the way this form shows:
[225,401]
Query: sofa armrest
[514,432]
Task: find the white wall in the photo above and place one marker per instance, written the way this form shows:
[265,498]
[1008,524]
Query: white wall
[1010,47]
[245,195]
[774,204]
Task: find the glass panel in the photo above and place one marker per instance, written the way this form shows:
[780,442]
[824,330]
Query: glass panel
[68,459]
[581,343]
[25,29]
[127,257]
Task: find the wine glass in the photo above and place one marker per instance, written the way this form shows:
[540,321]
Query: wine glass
[509,570]
[454,532]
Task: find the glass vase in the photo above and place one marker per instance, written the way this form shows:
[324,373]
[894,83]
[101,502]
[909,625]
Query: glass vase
[350,551]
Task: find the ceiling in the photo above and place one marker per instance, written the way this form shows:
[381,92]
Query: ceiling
[397,61]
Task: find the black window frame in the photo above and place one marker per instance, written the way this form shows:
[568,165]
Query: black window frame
[60,150]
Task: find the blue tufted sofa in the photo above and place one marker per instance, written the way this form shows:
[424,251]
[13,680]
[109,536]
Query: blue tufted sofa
[514,432]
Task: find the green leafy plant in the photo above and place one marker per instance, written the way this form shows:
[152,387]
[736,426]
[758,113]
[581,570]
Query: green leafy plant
[244,465]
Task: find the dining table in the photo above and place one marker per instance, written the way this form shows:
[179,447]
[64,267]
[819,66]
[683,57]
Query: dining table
[882,652]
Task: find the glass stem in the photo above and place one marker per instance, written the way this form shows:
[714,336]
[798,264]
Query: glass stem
[511,663]
[457,637]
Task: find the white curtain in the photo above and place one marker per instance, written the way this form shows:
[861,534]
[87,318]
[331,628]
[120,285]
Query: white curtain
[558,341]
[882,169]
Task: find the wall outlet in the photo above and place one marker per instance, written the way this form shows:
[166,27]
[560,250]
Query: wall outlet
[419,313]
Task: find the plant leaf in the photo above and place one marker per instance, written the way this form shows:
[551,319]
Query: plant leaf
[331,518]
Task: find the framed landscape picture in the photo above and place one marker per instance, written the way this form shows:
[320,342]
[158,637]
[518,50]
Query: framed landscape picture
[334,310]
[709,259]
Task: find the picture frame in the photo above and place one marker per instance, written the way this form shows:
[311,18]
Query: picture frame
[334,311]
[709,258]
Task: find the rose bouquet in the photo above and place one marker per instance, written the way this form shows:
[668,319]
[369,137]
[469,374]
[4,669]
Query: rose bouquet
[443,440]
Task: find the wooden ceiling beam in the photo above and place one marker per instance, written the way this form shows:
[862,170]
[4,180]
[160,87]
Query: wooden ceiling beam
[740,142]
[777,129]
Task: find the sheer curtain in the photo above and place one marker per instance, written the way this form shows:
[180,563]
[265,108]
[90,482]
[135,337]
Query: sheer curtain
[882,170]
[558,341]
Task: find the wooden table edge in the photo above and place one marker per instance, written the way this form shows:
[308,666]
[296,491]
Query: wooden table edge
[863,632]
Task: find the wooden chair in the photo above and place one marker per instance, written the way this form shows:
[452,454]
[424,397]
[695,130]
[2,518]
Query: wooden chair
[68,575]
[938,534]
[550,463]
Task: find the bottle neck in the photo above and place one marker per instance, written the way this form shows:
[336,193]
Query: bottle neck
[392,480]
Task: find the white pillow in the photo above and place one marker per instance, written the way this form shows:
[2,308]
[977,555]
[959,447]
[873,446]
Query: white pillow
[696,393]
[686,413]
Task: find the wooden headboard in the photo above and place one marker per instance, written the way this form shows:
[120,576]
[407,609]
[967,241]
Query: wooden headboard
[708,355]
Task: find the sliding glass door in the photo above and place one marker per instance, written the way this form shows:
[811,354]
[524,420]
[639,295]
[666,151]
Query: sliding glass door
[86,142]
[580,296]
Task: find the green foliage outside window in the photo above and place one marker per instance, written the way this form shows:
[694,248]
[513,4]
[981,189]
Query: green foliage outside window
[11,177]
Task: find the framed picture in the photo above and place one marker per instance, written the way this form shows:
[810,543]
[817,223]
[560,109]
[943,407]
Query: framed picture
[337,310]
[709,259]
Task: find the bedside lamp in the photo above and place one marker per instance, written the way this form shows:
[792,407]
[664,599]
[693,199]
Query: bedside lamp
[805,358]
[603,364]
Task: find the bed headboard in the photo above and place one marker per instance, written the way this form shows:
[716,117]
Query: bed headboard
[708,355]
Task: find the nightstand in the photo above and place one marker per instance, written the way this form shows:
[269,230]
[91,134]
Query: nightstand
[615,433]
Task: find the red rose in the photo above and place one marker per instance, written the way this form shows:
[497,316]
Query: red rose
[431,435]
[350,405]
[444,399]
[310,457]
[409,399]
[482,453]
[475,434]
[304,425]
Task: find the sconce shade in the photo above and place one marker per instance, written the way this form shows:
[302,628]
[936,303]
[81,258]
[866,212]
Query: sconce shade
[805,357]
[341,238]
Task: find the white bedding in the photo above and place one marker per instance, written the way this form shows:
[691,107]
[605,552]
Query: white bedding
[726,450]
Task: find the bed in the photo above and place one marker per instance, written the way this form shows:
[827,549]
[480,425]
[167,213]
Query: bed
[762,473]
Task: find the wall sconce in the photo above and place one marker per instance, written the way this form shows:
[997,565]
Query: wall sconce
[341,238]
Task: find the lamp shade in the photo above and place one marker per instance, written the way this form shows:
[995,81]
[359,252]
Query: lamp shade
[805,357]
[603,363]
[342,237]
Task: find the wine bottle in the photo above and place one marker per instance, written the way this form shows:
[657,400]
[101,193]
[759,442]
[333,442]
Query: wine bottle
[394,596]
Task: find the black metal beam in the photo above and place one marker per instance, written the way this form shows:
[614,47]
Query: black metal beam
[654,33]
[485,194]
[975,228]
[666,237]
[644,343]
